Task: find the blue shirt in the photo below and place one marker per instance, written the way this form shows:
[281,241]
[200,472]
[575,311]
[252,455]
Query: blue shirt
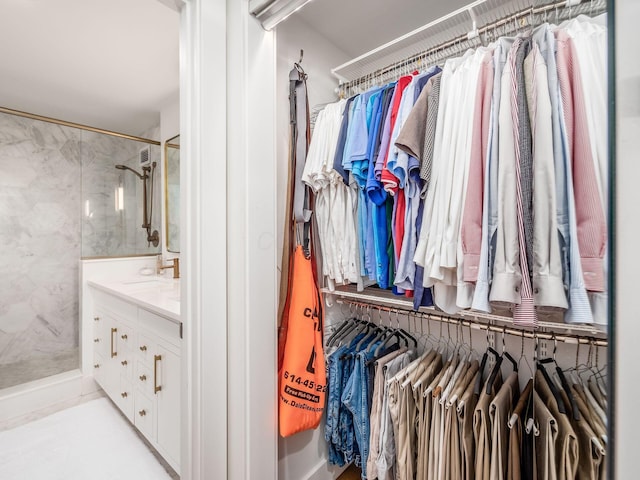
[342,140]
[377,196]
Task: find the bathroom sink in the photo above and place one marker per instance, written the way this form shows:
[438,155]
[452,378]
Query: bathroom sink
[144,280]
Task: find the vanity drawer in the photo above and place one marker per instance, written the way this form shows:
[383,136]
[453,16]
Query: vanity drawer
[99,368]
[126,337]
[144,379]
[124,398]
[143,416]
[117,307]
[145,348]
[126,362]
[161,326]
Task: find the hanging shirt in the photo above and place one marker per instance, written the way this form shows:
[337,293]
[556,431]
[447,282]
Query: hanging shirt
[490,196]
[405,274]
[377,196]
[438,249]
[548,287]
[471,233]
[329,209]
[342,138]
[589,37]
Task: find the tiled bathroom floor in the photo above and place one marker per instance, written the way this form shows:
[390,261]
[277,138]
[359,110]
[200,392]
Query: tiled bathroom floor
[89,441]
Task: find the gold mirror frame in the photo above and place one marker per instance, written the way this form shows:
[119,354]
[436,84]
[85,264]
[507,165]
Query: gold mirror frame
[173,142]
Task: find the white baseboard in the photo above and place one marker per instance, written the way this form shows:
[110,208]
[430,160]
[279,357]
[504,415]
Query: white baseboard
[324,471]
[26,400]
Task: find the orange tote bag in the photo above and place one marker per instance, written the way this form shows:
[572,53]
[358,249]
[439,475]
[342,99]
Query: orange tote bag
[302,376]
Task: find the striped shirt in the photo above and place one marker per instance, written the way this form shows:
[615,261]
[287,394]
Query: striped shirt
[525,312]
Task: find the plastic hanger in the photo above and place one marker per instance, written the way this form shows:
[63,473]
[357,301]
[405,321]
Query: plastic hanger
[382,332]
[348,320]
[478,385]
[498,365]
[552,386]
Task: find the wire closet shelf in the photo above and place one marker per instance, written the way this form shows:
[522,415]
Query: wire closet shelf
[479,23]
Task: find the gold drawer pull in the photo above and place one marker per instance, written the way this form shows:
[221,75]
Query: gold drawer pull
[113,353]
[97,365]
[124,337]
[96,340]
[123,363]
[156,387]
[142,413]
[143,348]
[124,395]
[143,378]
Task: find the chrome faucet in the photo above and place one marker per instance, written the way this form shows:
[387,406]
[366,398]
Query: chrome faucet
[175,266]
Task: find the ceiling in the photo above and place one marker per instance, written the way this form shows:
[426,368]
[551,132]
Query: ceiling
[109,64]
[357,26]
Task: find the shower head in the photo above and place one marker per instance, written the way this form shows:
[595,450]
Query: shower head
[124,167]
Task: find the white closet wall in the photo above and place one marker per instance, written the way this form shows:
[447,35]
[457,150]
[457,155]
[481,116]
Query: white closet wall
[302,456]
[627,326]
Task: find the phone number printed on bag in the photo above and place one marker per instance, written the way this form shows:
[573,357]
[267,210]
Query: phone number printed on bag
[310,384]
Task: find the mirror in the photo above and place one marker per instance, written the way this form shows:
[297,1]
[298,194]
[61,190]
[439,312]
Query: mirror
[172,193]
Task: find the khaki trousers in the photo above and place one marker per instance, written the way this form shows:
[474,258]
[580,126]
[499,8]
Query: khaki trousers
[376,408]
[499,412]
[566,449]
[545,440]
[465,410]
[482,431]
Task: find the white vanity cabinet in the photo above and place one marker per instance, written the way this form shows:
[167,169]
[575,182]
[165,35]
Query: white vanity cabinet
[136,356]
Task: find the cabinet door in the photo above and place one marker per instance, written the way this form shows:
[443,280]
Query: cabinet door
[168,402]
[108,371]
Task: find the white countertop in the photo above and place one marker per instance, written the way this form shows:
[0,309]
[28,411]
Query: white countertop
[156,294]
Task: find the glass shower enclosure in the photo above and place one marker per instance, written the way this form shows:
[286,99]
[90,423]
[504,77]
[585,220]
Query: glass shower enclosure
[61,200]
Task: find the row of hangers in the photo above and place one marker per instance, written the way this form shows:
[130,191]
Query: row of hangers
[359,325]
[518,23]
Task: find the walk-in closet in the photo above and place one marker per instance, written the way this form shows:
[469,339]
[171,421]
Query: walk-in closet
[466,325]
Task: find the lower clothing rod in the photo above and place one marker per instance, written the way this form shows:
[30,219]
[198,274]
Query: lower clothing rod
[522,332]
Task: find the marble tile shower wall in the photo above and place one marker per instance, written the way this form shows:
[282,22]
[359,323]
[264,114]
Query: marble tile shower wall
[109,229]
[46,172]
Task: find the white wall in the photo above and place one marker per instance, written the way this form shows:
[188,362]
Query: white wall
[627,326]
[251,260]
[302,456]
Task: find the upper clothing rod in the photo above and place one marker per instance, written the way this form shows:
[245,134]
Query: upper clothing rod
[524,18]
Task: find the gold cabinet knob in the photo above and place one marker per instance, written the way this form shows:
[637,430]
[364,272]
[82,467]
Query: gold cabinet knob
[123,363]
[124,337]
[143,348]
[96,340]
[143,378]
[96,319]
[142,413]
[97,365]
[124,395]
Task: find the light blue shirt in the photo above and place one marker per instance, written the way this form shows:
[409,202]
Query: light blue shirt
[579,307]
[490,195]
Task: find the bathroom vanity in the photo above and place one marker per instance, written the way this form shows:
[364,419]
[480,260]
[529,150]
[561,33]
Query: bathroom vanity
[137,337]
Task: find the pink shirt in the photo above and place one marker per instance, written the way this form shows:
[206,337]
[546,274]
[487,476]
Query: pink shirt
[471,230]
[590,218]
